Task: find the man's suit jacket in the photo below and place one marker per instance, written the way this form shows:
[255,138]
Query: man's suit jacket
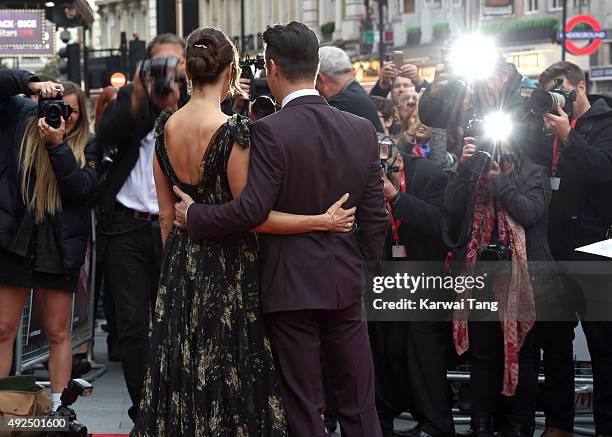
[354,99]
[303,158]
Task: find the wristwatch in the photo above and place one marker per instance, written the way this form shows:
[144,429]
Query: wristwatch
[394,200]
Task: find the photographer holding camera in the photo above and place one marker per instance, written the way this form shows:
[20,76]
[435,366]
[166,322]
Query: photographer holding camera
[411,358]
[48,179]
[396,80]
[578,154]
[130,237]
[493,198]
[499,213]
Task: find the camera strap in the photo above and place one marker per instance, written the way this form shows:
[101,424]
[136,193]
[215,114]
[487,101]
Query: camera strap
[395,224]
[557,152]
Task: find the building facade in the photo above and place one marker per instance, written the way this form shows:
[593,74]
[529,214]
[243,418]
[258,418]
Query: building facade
[130,16]
[525,30]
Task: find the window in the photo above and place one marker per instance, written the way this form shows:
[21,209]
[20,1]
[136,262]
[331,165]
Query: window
[457,3]
[555,5]
[433,3]
[409,7]
[531,6]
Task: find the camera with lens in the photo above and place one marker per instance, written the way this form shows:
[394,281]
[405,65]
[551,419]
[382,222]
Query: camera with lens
[53,109]
[497,258]
[162,74]
[74,389]
[542,101]
[481,162]
[386,150]
[262,102]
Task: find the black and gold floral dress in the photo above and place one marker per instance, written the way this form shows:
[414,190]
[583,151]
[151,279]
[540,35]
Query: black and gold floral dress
[210,371]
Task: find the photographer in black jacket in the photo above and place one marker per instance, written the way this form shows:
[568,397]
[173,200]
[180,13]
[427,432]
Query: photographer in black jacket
[578,154]
[48,179]
[129,232]
[411,358]
[520,199]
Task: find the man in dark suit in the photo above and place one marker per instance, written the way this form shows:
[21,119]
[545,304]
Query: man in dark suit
[128,223]
[302,158]
[336,82]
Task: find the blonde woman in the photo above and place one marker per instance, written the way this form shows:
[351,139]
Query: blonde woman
[47,177]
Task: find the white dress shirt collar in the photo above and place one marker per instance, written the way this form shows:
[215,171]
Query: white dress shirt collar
[299,93]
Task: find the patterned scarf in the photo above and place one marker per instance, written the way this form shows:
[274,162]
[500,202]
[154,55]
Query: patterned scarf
[514,291]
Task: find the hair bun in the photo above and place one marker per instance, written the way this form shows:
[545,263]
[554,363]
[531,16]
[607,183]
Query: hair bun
[208,52]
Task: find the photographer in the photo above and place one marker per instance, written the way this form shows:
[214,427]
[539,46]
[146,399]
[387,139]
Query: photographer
[397,82]
[336,83]
[130,237]
[386,115]
[578,154]
[500,214]
[47,180]
[448,106]
[411,358]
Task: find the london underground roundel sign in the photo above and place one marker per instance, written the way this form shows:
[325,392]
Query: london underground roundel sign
[595,35]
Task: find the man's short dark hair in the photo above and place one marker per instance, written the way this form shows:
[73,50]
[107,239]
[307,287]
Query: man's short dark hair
[295,50]
[569,70]
[164,38]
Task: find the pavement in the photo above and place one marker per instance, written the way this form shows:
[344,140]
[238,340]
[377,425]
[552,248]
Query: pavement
[105,411]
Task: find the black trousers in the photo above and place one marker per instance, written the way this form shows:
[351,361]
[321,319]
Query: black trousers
[599,340]
[410,362]
[555,339]
[486,379]
[133,257]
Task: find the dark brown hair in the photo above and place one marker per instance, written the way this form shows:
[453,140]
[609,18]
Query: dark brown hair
[208,53]
[572,72]
[164,38]
[295,50]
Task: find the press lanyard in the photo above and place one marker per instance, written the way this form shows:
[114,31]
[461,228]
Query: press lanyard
[395,224]
[557,152]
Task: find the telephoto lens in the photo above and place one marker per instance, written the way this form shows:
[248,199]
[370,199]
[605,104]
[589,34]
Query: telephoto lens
[542,101]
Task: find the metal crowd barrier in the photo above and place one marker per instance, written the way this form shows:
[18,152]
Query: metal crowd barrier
[31,345]
[582,383]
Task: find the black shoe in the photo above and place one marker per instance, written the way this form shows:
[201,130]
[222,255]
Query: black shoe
[482,426]
[133,412]
[517,426]
[331,426]
[414,432]
[331,421]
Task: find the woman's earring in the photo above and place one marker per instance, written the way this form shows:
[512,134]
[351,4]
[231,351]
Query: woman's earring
[189,87]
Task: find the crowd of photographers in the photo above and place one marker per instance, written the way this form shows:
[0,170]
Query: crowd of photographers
[544,191]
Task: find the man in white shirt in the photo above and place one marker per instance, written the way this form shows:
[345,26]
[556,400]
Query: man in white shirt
[129,232]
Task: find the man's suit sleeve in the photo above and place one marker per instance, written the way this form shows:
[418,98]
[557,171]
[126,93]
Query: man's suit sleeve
[372,214]
[257,199]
